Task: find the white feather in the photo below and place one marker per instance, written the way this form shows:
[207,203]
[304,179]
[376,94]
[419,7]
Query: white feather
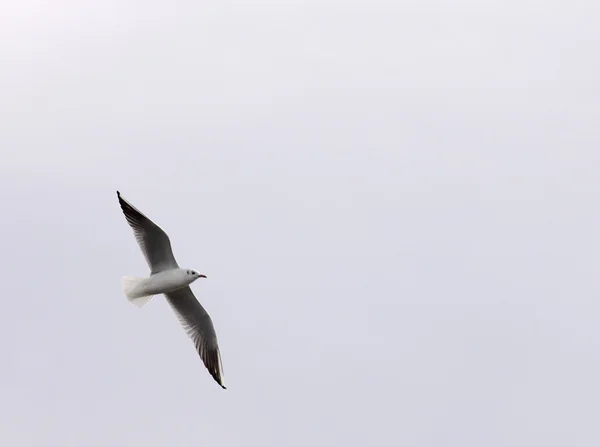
[134,290]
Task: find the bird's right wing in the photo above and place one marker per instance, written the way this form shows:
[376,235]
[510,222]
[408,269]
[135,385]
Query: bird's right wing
[153,241]
[199,327]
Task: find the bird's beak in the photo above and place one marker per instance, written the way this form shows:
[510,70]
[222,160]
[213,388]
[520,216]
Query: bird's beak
[201,276]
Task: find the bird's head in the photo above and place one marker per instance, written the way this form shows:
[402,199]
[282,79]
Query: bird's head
[194,275]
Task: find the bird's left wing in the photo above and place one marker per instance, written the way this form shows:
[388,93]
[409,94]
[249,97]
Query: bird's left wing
[198,325]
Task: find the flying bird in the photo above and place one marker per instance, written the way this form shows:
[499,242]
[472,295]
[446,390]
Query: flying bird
[166,277]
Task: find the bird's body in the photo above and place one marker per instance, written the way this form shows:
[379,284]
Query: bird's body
[169,279]
[157,283]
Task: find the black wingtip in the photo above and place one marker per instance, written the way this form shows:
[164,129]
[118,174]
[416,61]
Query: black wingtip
[223,386]
[122,201]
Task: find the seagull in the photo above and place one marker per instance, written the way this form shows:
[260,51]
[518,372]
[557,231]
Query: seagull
[166,277]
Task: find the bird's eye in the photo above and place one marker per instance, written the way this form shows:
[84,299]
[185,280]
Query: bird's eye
[193,272]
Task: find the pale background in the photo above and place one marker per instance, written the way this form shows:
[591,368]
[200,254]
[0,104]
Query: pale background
[397,205]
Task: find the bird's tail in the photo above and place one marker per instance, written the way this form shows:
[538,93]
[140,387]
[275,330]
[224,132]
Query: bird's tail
[134,290]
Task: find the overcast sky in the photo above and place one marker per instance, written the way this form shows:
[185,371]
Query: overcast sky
[396,205]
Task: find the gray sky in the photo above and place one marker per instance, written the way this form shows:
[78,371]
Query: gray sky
[395,203]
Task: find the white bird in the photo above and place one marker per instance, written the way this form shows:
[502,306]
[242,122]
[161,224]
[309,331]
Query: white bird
[168,278]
